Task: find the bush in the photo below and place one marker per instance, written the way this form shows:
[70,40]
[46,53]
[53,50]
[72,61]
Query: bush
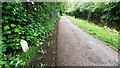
[24,20]
[108,12]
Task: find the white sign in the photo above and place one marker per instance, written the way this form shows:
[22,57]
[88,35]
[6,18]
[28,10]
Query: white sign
[24,45]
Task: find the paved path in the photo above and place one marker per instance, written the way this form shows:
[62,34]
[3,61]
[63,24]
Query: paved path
[75,47]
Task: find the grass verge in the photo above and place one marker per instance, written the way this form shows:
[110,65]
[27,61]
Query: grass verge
[106,34]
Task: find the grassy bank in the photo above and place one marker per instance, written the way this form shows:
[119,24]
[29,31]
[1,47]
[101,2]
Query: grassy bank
[106,34]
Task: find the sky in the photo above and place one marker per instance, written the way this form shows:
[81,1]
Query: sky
[70,1]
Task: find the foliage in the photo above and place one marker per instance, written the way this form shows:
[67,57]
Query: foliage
[103,33]
[19,60]
[107,12]
[30,21]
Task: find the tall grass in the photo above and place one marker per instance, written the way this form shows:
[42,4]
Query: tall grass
[106,34]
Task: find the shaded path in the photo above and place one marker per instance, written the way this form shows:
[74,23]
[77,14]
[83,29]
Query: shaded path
[75,47]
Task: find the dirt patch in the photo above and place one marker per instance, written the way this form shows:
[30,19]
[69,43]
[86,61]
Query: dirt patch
[46,54]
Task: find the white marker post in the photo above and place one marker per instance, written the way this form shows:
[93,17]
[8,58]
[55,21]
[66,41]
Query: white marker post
[24,45]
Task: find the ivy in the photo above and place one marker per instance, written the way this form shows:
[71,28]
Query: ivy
[24,20]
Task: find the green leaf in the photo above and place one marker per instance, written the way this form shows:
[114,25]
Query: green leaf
[24,19]
[13,25]
[17,30]
[2,62]
[6,27]
[14,12]
[7,32]
[11,36]
[6,17]
[13,18]
[11,62]
[4,38]
[8,7]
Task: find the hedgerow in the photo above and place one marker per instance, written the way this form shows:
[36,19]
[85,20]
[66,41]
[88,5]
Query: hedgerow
[31,21]
[107,13]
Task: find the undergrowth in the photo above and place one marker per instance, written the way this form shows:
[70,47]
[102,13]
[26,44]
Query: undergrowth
[22,59]
[19,21]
